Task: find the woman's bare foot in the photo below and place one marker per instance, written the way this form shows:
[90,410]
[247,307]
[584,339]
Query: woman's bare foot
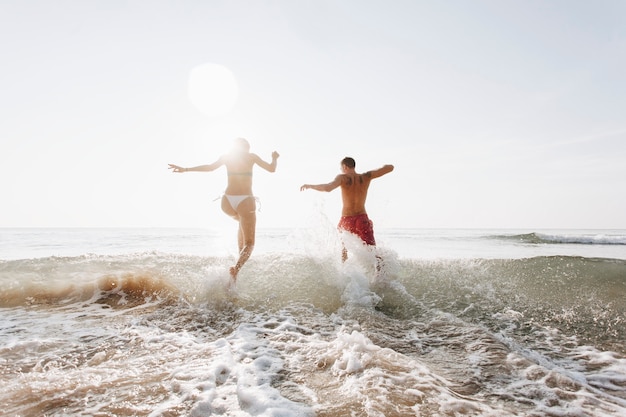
[233,274]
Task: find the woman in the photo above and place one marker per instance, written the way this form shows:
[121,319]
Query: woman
[238,200]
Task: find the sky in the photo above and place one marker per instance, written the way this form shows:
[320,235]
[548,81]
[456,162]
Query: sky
[495,114]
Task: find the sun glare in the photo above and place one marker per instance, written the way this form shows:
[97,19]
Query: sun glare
[213,89]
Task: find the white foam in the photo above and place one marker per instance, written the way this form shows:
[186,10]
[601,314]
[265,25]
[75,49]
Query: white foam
[379,378]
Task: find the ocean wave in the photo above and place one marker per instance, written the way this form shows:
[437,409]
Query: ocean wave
[578,239]
[114,280]
[308,335]
[585,295]
[289,277]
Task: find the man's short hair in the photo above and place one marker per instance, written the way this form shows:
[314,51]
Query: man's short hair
[349,162]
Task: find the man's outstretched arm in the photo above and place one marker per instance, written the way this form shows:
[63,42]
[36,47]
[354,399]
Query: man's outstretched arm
[385,169]
[323,187]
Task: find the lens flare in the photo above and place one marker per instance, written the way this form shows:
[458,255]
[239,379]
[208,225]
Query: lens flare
[213,89]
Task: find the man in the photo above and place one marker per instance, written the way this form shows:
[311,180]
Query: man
[354,188]
[238,200]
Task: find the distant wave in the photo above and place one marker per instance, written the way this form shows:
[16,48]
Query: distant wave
[578,239]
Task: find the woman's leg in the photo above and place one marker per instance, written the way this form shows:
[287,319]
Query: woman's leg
[246,234]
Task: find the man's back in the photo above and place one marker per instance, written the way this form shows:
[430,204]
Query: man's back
[354,192]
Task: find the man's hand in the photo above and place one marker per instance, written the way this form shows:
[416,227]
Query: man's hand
[176,168]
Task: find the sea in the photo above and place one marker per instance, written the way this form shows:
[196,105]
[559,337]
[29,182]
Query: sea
[432,322]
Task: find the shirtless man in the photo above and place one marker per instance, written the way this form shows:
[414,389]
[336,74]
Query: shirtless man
[238,200]
[353,193]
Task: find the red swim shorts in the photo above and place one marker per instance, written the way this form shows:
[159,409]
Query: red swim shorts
[360,225]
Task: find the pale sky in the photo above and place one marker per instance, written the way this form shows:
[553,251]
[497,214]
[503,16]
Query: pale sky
[499,114]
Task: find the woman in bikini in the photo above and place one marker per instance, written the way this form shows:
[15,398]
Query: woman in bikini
[238,200]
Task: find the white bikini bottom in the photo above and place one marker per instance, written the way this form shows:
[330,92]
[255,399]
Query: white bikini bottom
[235,200]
